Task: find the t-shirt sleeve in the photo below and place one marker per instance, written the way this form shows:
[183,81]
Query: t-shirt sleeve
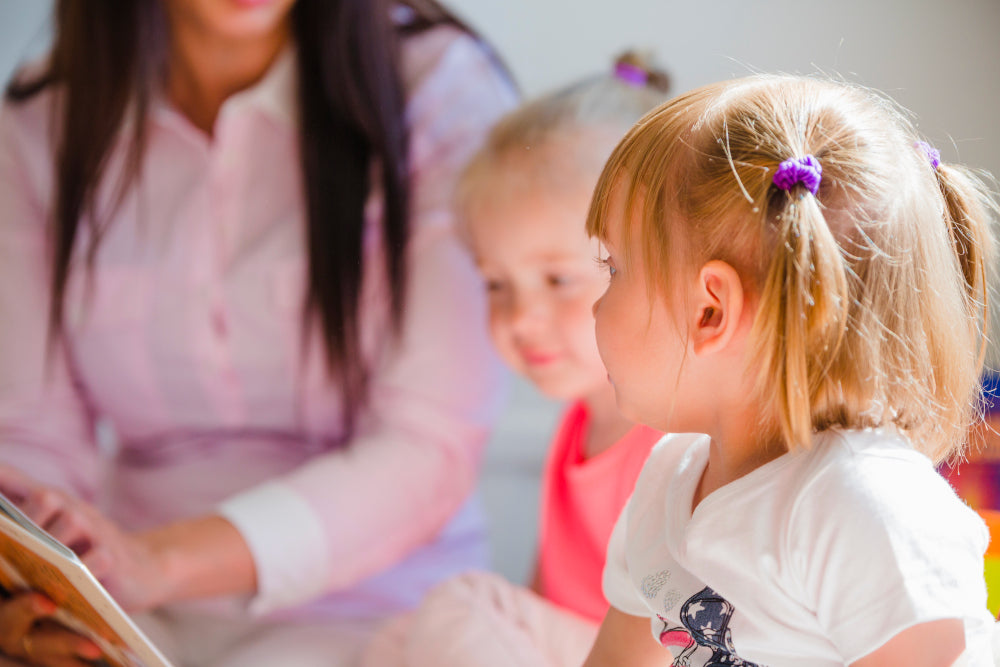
[882,546]
[619,590]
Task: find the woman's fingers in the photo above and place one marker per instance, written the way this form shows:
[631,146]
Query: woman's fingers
[28,634]
[74,529]
[43,505]
[18,615]
[52,645]
[70,520]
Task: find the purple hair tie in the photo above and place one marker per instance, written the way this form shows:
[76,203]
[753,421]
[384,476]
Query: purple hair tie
[793,171]
[631,74]
[933,154]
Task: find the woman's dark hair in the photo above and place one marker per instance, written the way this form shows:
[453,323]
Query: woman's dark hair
[351,103]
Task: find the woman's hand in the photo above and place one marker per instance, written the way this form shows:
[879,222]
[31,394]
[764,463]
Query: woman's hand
[27,634]
[190,559]
[125,564]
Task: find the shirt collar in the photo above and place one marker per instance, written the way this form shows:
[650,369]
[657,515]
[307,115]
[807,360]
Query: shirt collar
[274,95]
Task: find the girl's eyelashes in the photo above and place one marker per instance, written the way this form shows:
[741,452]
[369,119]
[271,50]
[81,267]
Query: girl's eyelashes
[607,265]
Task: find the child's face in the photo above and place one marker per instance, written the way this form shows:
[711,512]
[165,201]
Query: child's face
[639,338]
[542,277]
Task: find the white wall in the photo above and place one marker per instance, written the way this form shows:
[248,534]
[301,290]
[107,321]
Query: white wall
[24,31]
[939,59]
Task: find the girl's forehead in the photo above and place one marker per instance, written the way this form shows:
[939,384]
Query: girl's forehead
[531,229]
[617,215]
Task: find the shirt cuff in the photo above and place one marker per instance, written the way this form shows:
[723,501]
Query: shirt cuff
[287,541]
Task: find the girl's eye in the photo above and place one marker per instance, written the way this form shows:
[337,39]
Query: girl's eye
[556,280]
[606,264]
[493,285]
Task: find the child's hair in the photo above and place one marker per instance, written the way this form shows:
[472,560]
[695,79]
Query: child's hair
[609,103]
[872,291]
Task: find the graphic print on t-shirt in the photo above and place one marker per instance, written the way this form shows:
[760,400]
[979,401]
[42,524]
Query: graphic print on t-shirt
[705,640]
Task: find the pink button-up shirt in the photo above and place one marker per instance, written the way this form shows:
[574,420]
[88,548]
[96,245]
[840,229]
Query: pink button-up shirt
[187,340]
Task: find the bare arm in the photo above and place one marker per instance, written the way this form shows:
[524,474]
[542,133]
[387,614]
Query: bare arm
[626,641]
[932,644]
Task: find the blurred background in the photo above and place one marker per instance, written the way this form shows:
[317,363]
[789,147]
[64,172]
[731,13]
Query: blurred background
[938,59]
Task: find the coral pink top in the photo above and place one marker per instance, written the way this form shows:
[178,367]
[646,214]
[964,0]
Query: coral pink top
[581,499]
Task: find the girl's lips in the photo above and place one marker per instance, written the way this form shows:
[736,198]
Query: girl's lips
[538,358]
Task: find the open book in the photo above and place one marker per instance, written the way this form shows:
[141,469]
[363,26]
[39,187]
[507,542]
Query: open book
[32,559]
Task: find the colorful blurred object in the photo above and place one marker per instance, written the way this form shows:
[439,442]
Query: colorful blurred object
[992,518]
[977,481]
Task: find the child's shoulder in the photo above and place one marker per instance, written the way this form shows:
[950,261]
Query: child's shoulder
[869,461]
[873,481]
[874,529]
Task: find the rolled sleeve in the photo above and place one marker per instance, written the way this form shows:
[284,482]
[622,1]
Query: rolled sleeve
[272,518]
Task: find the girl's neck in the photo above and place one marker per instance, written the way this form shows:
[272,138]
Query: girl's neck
[606,426]
[738,447]
[203,70]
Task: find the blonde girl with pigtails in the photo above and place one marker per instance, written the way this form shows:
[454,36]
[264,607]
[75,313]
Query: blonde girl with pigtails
[798,293]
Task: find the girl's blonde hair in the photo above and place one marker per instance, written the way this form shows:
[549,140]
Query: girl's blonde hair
[540,138]
[872,293]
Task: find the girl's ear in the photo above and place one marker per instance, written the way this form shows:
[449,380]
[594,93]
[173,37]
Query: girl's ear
[718,308]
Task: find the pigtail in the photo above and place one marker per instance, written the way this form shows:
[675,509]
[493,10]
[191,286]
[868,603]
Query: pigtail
[966,212]
[803,318]
[636,68]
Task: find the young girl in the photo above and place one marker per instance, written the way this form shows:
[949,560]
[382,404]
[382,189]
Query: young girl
[794,275]
[523,201]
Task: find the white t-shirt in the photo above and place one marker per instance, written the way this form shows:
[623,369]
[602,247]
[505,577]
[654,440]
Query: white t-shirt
[815,558]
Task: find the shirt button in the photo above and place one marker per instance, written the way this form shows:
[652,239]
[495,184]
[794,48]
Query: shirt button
[219,324]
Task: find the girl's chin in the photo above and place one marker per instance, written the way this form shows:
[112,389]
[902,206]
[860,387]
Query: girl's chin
[250,4]
[561,388]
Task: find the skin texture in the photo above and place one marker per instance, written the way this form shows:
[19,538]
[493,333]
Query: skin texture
[217,48]
[699,328]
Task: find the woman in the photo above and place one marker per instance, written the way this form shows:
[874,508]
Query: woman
[234,248]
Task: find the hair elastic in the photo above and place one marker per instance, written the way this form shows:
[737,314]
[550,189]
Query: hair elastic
[933,154]
[793,171]
[631,74]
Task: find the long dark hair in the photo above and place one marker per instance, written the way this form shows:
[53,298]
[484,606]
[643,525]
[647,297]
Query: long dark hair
[351,103]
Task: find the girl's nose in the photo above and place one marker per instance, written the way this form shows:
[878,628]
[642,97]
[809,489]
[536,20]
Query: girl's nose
[593,309]
[526,311]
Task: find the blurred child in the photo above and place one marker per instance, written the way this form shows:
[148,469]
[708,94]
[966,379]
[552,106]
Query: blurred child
[523,201]
[795,275]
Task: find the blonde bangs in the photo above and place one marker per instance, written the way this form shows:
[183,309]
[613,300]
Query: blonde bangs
[636,184]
